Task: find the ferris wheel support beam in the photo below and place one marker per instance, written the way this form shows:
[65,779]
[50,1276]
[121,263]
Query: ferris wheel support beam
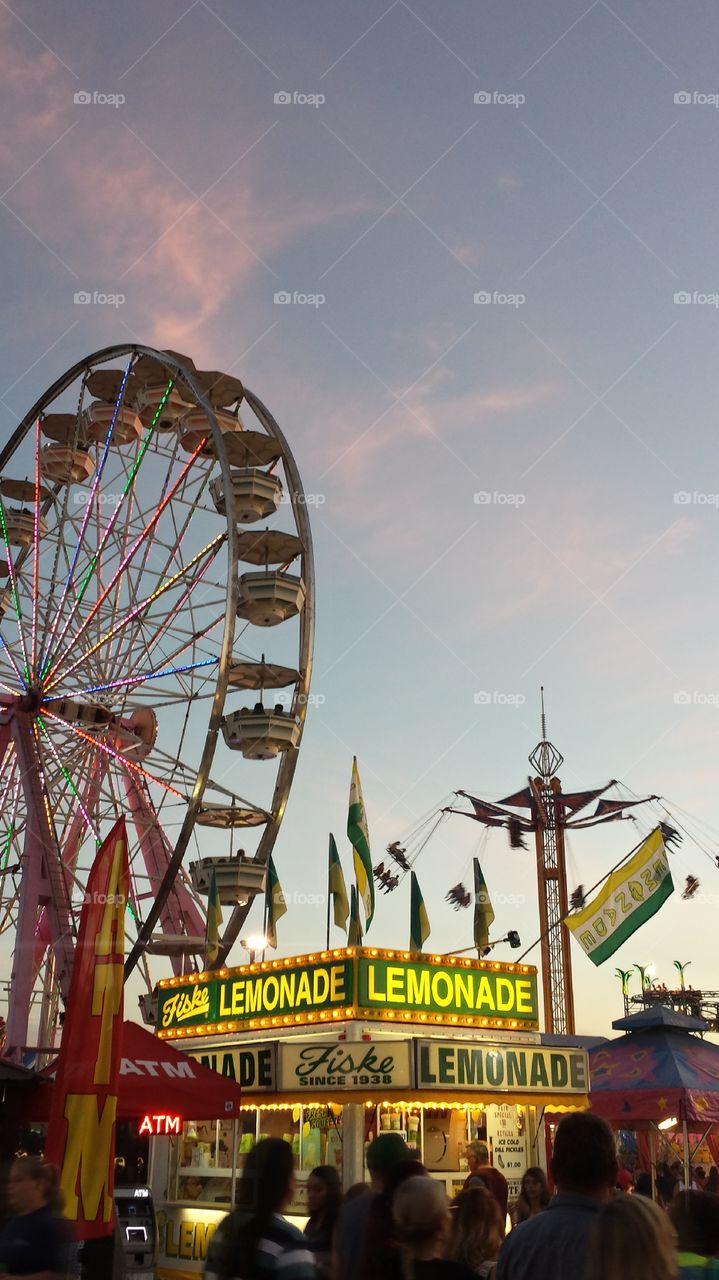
[307,630]
[42,885]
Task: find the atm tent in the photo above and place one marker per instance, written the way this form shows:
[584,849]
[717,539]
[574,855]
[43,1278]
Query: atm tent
[155,1078]
[659,1070]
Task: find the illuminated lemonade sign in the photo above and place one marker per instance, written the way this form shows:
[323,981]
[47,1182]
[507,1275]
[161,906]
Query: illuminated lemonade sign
[350,983]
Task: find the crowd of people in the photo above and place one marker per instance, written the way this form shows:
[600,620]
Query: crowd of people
[598,1223]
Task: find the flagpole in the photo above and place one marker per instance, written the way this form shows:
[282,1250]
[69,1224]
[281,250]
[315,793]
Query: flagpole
[329,886]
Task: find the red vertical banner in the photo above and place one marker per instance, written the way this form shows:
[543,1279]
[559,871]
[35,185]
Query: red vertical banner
[81,1131]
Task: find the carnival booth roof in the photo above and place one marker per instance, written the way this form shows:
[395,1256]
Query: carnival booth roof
[658,1070]
[155,1077]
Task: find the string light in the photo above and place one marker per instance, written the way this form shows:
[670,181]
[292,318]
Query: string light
[13,592]
[116,755]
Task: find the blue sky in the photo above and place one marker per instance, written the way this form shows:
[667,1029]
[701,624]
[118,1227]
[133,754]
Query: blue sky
[579,399]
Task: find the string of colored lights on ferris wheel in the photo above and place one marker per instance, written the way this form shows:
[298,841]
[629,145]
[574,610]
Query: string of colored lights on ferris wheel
[13,592]
[11,829]
[116,755]
[131,680]
[36,546]
[85,520]
[193,638]
[208,549]
[48,670]
[73,789]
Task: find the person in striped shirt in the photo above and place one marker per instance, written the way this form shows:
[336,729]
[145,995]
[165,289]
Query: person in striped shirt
[255,1242]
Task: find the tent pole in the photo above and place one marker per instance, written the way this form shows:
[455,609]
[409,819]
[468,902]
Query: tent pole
[653,1159]
[685,1135]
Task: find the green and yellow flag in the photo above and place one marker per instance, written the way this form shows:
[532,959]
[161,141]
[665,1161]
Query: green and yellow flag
[359,837]
[419,929]
[354,937]
[214,923]
[483,910]
[275,905]
[629,897]
[337,887]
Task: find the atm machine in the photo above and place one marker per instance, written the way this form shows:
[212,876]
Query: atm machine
[135,1214]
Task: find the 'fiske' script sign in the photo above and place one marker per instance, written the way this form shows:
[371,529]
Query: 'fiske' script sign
[384,1063]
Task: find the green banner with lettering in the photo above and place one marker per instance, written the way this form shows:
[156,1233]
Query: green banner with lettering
[447,990]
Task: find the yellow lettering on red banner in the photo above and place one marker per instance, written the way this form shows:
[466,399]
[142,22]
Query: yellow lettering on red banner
[112,925]
[87,1157]
[106,1000]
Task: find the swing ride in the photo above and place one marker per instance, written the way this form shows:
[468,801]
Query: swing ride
[130,588]
[544,810]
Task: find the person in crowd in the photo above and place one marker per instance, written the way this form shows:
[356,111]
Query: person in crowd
[36,1242]
[494,1180]
[643,1185]
[695,1216]
[533,1195]
[385,1151]
[625,1181]
[676,1171]
[476,1231]
[379,1249]
[699,1180]
[324,1197]
[631,1239]
[713,1181]
[666,1183]
[553,1245]
[255,1242]
[422,1224]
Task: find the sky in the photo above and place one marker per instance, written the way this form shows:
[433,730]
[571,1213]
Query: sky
[465,253]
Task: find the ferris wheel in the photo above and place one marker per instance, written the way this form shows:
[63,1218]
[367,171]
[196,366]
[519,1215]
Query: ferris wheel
[135,598]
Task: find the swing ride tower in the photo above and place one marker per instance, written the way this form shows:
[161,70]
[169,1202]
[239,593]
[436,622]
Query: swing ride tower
[556,960]
[543,809]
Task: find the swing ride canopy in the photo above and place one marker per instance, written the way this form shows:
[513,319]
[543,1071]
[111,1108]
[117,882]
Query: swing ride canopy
[657,1071]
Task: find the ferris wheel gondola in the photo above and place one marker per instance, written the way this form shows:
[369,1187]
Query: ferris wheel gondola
[126,626]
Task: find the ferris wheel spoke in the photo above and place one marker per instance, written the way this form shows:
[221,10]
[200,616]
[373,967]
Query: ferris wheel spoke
[97,555]
[116,755]
[73,789]
[36,547]
[88,510]
[145,604]
[14,595]
[126,560]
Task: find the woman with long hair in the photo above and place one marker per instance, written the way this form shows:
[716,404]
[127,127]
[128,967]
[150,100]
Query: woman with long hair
[533,1195]
[422,1225]
[476,1233]
[379,1249]
[632,1239]
[324,1197]
[254,1242]
[36,1240]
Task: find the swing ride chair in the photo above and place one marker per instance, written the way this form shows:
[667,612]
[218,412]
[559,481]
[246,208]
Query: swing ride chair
[131,584]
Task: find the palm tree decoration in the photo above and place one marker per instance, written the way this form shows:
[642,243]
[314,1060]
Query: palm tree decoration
[680,968]
[642,970]
[624,975]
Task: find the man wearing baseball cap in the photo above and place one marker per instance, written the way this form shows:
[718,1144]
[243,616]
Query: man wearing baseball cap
[383,1153]
[480,1170]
